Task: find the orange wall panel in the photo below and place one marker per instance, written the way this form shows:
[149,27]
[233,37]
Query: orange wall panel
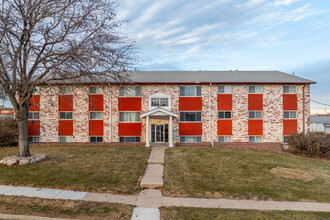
[66,102]
[289,126]
[95,127]
[255,102]
[96,103]
[34,127]
[129,104]
[190,128]
[255,127]
[129,129]
[65,127]
[190,104]
[35,103]
[225,102]
[225,127]
[289,101]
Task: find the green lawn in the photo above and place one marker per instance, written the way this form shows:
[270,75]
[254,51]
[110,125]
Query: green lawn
[233,214]
[243,174]
[83,168]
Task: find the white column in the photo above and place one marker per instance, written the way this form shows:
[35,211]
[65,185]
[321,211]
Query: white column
[147,133]
[171,133]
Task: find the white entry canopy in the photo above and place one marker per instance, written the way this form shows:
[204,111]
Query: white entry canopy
[159,112]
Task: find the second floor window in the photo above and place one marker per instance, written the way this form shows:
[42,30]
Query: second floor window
[65,115]
[254,89]
[130,91]
[95,115]
[65,91]
[289,89]
[129,117]
[224,89]
[33,115]
[159,102]
[224,115]
[95,90]
[290,114]
[255,114]
[191,116]
[190,91]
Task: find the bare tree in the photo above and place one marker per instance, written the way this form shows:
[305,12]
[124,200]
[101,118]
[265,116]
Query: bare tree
[54,41]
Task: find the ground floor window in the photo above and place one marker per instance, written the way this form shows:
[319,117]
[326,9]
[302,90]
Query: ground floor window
[129,139]
[190,139]
[285,139]
[66,139]
[34,139]
[255,139]
[96,139]
[224,139]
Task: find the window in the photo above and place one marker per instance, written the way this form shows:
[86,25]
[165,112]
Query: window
[254,138]
[289,89]
[33,115]
[66,139]
[95,90]
[255,89]
[224,89]
[130,91]
[36,91]
[95,139]
[290,114]
[285,139]
[65,115]
[95,115]
[65,90]
[190,139]
[190,91]
[129,117]
[224,139]
[224,115]
[190,116]
[255,114]
[129,139]
[159,102]
[34,139]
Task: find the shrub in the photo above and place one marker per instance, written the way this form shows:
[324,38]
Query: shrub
[8,132]
[316,144]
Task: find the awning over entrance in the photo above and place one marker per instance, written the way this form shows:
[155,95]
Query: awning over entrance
[160,112]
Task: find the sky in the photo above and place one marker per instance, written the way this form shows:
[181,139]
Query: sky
[285,35]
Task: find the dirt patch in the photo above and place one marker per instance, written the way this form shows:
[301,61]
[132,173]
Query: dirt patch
[292,174]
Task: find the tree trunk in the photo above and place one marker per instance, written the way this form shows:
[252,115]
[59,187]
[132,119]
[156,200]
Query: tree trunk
[23,143]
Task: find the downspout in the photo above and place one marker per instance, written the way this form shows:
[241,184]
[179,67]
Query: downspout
[210,115]
[110,112]
[304,102]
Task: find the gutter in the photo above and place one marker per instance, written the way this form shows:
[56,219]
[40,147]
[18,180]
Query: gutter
[304,103]
[210,115]
[110,112]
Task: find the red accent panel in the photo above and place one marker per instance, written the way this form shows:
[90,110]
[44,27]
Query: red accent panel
[225,101]
[96,103]
[34,127]
[35,103]
[289,101]
[129,104]
[96,127]
[225,127]
[190,128]
[255,127]
[66,102]
[129,129]
[66,128]
[255,102]
[190,104]
[289,126]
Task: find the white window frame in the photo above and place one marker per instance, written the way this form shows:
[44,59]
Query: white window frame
[98,90]
[33,116]
[224,118]
[255,141]
[130,137]
[226,89]
[195,91]
[224,139]
[292,90]
[33,139]
[90,137]
[190,111]
[66,112]
[66,90]
[125,92]
[255,115]
[255,92]
[66,141]
[290,114]
[191,136]
[159,102]
[139,117]
[97,113]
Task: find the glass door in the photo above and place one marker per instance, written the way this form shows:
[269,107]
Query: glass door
[159,133]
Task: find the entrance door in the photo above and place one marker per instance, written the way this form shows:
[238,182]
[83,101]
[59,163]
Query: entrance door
[159,133]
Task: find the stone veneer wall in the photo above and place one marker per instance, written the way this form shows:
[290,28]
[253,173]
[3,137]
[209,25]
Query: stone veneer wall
[49,114]
[240,113]
[115,113]
[272,113]
[80,113]
[106,114]
[300,100]
[206,113]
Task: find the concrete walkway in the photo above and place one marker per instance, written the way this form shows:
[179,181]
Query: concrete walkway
[27,217]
